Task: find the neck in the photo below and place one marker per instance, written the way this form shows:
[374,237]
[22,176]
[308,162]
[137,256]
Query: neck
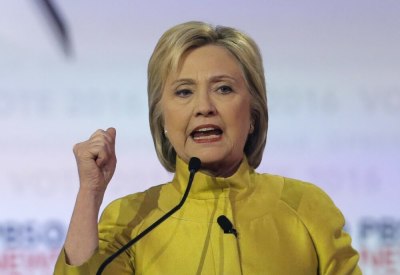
[220,170]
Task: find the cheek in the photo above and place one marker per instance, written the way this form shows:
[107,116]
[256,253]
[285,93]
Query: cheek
[175,122]
[240,114]
[169,115]
[240,122]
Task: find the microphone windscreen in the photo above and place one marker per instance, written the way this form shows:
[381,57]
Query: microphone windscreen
[225,223]
[194,164]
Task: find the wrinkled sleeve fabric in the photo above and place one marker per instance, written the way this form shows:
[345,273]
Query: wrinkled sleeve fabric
[325,223]
[114,232]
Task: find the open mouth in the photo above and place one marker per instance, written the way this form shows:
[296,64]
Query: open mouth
[206,134]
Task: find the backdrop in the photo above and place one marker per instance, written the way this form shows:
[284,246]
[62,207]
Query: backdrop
[333,78]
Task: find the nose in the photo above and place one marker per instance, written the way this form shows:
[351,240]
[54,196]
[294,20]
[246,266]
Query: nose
[205,105]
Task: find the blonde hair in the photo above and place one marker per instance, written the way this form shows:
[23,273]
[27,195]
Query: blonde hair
[165,59]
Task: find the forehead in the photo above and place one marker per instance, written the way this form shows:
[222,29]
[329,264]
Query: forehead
[207,60]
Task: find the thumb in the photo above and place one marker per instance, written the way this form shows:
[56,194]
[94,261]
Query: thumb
[112,132]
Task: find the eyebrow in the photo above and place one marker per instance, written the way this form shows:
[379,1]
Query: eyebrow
[183,81]
[223,77]
[212,79]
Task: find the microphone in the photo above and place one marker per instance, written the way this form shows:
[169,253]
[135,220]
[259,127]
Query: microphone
[194,166]
[226,225]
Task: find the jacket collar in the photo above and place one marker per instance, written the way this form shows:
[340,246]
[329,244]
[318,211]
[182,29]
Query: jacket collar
[205,186]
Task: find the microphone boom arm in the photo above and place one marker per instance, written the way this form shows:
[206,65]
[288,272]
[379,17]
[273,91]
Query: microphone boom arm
[194,165]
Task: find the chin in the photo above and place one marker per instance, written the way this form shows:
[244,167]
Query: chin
[209,156]
[213,163]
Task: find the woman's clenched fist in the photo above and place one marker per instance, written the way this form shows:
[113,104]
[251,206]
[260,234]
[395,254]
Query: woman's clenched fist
[96,160]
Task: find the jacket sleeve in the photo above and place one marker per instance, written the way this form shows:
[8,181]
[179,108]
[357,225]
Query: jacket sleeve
[113,233]
[325,223]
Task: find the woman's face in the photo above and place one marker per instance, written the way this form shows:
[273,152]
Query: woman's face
[206,109]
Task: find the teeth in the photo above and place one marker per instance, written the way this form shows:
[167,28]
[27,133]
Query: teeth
[205,129]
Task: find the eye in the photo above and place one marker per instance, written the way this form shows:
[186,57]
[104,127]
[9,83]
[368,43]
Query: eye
[224,89]
[183,93]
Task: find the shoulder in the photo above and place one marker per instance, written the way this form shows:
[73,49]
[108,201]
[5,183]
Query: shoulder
[132,207]
[311,203]
[319,214]
[305,200]
[323,221]
[298,194]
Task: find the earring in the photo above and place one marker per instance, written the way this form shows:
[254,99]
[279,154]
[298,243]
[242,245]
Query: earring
[165,132]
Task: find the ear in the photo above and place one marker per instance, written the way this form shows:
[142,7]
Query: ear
[251,129]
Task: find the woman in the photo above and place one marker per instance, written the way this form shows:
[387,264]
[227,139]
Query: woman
[207,99]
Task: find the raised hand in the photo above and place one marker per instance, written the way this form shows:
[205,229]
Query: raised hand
[96,165]
[96,160]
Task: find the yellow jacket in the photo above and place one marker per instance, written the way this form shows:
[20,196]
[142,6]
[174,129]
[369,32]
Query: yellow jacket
[284,226]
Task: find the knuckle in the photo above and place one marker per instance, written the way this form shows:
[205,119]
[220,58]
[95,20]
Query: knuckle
[96,133]
[75,148]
